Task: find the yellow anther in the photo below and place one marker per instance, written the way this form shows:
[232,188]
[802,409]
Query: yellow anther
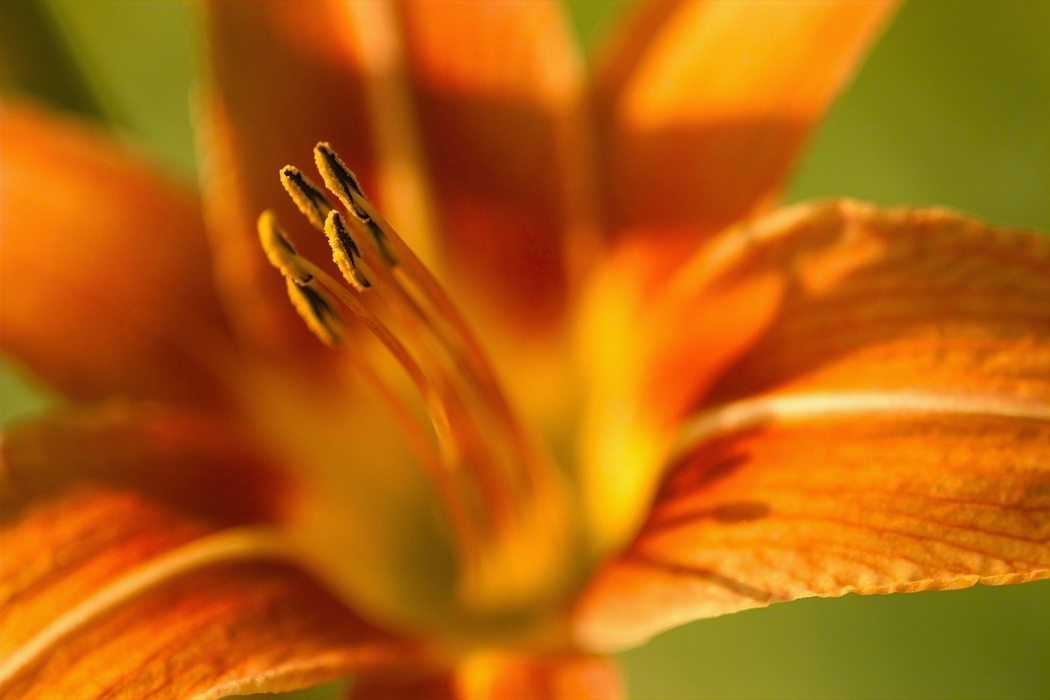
[338,178]
[343,184]
[306,195]
[318,311]
[279,250]
[344,251]
[493,482]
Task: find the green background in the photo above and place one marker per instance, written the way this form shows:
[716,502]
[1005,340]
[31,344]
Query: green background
[952,107]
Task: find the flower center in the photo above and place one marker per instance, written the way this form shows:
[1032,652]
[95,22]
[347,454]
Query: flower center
[504,503]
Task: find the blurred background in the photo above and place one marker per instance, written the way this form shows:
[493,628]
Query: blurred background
[952,108]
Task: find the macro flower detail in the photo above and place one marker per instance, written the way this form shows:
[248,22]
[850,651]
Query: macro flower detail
[505,506]
[547,376]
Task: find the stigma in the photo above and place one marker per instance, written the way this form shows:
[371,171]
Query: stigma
[503,502]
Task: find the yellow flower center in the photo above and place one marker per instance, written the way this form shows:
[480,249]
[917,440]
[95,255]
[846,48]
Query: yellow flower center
[504,506]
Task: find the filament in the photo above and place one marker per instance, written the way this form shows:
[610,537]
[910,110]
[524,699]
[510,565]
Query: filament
[484,470]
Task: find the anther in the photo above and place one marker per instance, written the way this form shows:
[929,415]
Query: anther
[344,251]
[487,474]
[280,251]
[306,195]
[334,170]
[317,311]
[343,183]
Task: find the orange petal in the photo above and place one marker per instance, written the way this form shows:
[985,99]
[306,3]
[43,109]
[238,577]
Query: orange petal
[229,628]
[563,677]
[647,360]
[104,270]
[282,77]
[887,431]
[703,106]
[887,300]
[498,89]
[827,506]
[193,462]
[499,676]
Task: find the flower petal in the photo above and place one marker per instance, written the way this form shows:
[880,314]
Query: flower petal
[562,677]
[188,461]
[704,105]
[282,77]
[887,431]
[230,628]
[498,89]
[828,506]
[494,677]
[890,300]
[104,269]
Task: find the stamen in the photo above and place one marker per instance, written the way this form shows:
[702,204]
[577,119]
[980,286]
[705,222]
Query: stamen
[343,183]
[320,315]
[379,330]
[279,250]
[306,195]
[445,429]
[446,322]
[492,481]
[344,250]
[317,311]
[467,354]
[419,442]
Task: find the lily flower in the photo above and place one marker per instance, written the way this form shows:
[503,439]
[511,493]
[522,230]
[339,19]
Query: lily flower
[545,375]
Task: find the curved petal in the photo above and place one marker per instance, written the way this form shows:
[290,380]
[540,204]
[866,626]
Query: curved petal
[887,300]
[188,461]
[887,429]
[101,597]
[793,507]
[282,77]
[104,271]
[498,89]
[703,105]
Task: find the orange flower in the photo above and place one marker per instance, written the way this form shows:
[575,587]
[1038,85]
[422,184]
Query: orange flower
[677,405]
